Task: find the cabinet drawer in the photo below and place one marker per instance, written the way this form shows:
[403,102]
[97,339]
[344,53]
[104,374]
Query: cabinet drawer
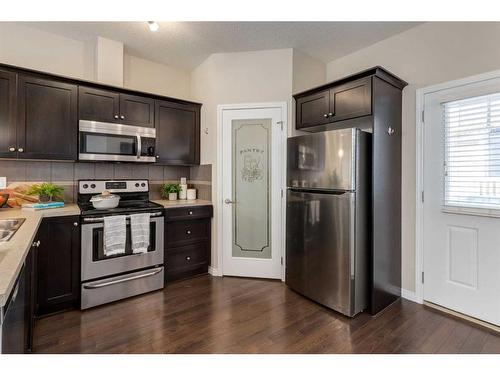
[187,231]
[186,261]
[187,213]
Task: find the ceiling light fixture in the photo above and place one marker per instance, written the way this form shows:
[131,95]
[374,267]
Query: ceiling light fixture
[153,26]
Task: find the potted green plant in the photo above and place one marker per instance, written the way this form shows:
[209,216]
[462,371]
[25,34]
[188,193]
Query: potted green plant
[46,191]
[170,191]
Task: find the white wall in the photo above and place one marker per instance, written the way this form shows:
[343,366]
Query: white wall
[425,55]
[229,78]
[145,75]
[307,72]
[29,47]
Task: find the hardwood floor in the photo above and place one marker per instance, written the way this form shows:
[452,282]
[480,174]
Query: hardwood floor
[237,315]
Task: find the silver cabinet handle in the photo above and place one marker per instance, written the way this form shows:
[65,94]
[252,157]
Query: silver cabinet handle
[190,212]
[157,156]
[12,149]
[188,232]
[330,114]
[325,115]
[36,243]
[390,130]
[75,224]
[229,201]
[122,117]
[20,149]
[116,116]
[102,285]
[188,258]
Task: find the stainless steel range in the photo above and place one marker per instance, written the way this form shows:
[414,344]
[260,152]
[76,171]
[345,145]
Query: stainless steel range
[107,278]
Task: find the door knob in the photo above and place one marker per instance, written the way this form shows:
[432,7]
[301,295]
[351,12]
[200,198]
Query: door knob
[228,201]
[12,149]
[122,117]
[325,115]
[390,130]
[75,224]
[20,149]
[116,116]
[330,114]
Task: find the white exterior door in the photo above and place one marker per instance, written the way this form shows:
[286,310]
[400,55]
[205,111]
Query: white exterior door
[461,217]
[252,178]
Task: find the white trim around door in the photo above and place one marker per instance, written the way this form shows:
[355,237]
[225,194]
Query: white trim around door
[283,107]
[418,296]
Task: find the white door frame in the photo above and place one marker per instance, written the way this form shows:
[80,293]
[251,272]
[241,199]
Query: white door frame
[419,224]
[284,134]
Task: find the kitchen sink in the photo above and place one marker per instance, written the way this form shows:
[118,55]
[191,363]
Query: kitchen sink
[8,227]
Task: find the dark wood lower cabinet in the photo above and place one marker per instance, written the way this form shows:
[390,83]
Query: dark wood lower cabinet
[187,241]
[58,264]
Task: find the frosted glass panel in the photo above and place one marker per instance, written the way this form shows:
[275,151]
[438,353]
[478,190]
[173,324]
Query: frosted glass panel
[251,178]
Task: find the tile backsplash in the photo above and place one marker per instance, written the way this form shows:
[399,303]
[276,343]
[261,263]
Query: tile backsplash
[67,174]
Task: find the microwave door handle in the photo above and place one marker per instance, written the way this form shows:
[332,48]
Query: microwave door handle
[139,147]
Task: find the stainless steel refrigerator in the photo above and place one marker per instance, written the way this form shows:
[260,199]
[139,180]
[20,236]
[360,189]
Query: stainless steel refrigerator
[328,218]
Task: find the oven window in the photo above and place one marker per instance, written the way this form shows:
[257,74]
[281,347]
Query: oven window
[110,144]
[98,243]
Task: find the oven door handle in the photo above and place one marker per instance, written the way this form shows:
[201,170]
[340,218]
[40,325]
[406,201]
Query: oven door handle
[139,147]
[108,283]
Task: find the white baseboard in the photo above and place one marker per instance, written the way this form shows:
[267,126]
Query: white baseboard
[213,271]
[410,295]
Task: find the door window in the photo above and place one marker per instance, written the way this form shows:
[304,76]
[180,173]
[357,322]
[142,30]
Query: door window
[251,141]
[472,152]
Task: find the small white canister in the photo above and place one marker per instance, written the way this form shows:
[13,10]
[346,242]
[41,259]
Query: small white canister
[183,191]
[191,194]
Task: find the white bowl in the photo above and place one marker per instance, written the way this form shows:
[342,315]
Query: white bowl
[105,201]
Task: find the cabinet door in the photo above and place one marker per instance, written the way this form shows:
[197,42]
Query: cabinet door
[351,100]
[98,105]
[137,110]
[8,146]
[58,264]
[47,119]
[177,133]
[312,110]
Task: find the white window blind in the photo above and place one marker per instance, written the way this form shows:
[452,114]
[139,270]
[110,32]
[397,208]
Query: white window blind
[472,153]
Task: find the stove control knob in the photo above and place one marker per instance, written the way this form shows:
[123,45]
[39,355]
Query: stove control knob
[143,184]
[92,186]
[136,184]
[85,186]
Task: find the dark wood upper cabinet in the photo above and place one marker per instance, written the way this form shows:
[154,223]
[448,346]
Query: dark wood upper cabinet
[8,145]
[313,109]
[112,106]
[337,102]
[58,264]
[137,110]
[177,133]
[47,123]
[98,105]
[351,100]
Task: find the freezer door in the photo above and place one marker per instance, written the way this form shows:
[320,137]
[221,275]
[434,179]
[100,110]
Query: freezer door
[320,247]
[323,160]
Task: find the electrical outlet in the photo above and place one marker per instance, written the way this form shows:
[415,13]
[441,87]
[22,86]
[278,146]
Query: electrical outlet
[3,182]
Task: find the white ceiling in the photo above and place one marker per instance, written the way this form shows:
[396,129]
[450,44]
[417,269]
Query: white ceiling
[186,44]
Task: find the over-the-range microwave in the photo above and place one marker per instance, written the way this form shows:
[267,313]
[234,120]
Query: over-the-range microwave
[103,141]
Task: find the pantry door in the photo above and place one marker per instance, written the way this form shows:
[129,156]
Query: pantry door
[461,217]
[252,182]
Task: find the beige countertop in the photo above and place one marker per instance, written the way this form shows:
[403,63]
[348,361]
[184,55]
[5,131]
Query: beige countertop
[13,252]
[182,203]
